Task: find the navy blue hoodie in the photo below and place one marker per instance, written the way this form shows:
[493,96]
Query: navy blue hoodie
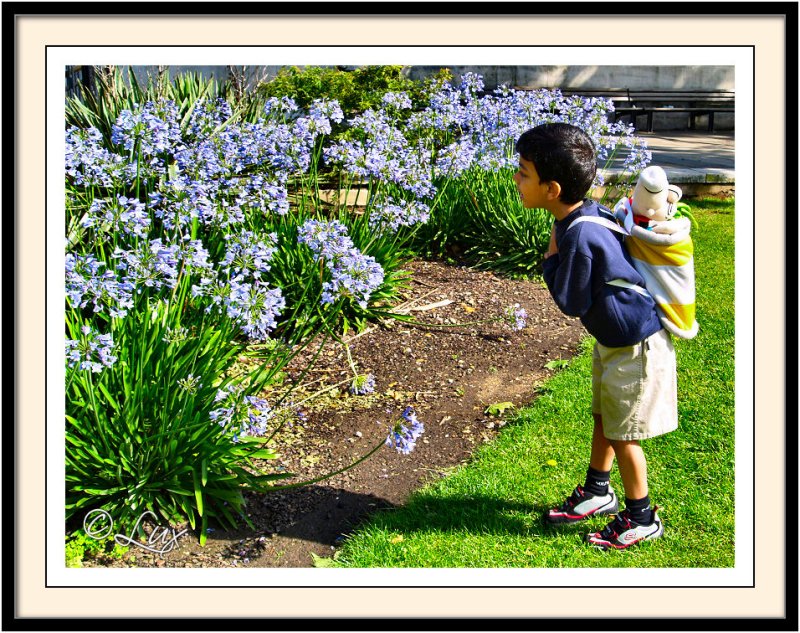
[589,255]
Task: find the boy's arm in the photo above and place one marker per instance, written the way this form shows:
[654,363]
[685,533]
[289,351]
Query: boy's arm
[552,248]
[569,278]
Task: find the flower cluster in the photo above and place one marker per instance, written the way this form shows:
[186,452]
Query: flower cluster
[123,214]
[482,129]
[240,415]
[153,265]
[148,132]
[88,163]
[256,307]
[404,433]
[393,215]
[353,274]
[92,351]
[397,100]
[284,105]
[384,153]
[180,202]
[207,116]
[515,317]
[87,281]
[246,254]
[190,384]
[325,239]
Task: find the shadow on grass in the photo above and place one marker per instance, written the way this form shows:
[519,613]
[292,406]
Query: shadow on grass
[474,514]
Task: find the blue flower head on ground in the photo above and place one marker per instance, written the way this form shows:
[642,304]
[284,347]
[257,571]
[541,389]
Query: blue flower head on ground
[405,432]
[362,384]
[516,317]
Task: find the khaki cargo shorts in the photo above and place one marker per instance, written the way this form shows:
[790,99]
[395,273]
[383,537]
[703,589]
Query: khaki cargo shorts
[635,388]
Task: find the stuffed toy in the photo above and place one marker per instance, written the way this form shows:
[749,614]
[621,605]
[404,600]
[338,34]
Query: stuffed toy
[654,204]
[661,248]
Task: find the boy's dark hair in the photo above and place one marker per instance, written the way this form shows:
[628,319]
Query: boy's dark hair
[562,153]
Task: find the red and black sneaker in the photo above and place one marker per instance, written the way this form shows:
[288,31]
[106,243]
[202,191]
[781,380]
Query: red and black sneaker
[621,533]
[582,505]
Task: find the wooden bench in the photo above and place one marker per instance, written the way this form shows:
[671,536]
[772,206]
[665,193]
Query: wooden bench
[636,103]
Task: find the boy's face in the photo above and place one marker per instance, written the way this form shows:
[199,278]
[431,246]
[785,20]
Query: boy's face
[532,191]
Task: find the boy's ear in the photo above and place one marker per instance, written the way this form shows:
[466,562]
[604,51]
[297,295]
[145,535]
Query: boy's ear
[553,190]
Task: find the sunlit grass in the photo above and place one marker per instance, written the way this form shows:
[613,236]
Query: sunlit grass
[488,512]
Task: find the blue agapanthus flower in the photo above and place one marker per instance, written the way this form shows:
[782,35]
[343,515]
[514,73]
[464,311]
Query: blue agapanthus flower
[403,435]
[87,281]
[92,351]
[352,274]
[516,317]
[241,415]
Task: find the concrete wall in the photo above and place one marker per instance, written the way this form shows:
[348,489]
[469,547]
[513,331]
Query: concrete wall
[589,77]
[596,77]
[253,74]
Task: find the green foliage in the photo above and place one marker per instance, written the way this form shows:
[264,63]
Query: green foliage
[499,408]
[356,90]
[140,435]
[480,213]
[80,547]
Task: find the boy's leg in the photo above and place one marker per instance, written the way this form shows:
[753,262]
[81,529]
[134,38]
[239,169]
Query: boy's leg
[637,522]
[632,467]
[602,457]
[595,497]
[600,461]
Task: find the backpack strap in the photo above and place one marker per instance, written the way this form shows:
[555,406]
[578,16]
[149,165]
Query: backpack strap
[627,284]
[610,224]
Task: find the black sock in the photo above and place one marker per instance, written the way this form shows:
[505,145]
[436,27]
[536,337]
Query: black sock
[639,510]
[597,482]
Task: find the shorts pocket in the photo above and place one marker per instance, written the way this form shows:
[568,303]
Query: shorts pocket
[628,366]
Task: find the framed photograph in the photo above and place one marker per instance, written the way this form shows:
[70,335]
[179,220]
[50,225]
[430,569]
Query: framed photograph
[48,54]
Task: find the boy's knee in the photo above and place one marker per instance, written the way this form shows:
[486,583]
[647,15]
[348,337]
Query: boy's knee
[619,445]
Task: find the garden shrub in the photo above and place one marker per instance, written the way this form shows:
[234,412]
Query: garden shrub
[356,90]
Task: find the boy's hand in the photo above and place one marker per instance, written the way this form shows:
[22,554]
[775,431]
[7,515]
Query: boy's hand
[552,249]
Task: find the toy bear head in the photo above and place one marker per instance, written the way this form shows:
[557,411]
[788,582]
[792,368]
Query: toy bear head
[653,197]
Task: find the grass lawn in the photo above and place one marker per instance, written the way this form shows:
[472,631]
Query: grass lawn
[488,512]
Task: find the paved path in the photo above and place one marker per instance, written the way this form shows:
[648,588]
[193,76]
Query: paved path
[695,159]
[693,153]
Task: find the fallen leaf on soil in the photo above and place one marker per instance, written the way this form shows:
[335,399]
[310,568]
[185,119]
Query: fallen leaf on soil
[431,306]
[498,408]
[322,561]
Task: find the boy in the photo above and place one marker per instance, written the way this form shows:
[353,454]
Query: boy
[634,390]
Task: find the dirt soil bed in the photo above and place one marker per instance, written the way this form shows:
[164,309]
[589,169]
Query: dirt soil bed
[449,375]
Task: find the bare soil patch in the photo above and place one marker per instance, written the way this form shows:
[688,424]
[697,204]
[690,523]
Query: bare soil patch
[449,375]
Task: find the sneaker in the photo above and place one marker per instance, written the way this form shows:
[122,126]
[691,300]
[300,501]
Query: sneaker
[581,505]
[621,533]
